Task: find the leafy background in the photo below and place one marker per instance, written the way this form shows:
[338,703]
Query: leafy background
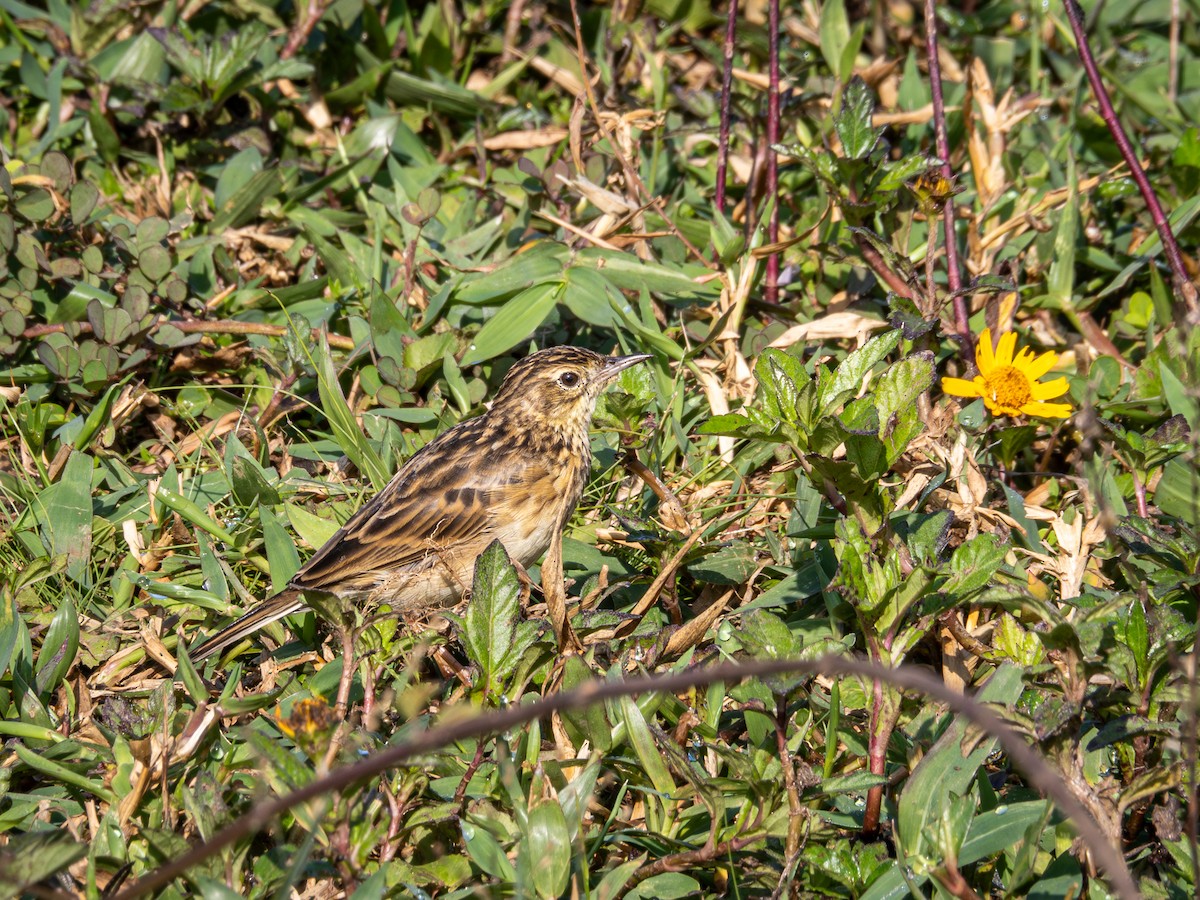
[253,256]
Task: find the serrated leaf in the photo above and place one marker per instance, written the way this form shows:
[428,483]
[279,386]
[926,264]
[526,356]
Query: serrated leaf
[491,616]
[848,377]
[853,124]
[973,565]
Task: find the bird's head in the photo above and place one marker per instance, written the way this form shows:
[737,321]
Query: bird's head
[558,387]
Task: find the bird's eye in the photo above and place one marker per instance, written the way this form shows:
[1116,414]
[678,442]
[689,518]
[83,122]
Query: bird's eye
[568,379]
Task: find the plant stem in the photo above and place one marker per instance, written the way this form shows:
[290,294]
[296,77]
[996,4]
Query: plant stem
[953,274]
[726,99]
[1185,289]
[771,295]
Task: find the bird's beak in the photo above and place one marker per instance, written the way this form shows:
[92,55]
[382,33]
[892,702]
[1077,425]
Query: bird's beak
[614,364]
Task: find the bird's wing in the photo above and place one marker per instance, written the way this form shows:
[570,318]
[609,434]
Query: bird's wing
[442,498]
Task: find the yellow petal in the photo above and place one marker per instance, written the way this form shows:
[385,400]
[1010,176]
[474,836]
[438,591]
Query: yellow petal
[1048,390]
[1004,349]
[960,387]
[1047,410]
[1036,368]
[984,358]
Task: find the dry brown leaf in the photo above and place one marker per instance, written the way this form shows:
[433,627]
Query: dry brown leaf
[836,326]
[692,631]
[526,139]
[564,78]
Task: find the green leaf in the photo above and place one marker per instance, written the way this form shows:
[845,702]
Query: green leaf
[186,672]
[896,393]
[628,273]
[543,263]
[341,419]
[33,857]
[973,565]
[491,616]
[853,123]
[486,852]
[848,377]
[1181,400]
[83,200]
[1060,283]
[10,630]
[547,848]
[35,205]
[1137,637]
[947,771]
[780,378]
[835,34]
[314,530]
[1178,491]
[64,511]
[281,552]
[667,886]
[614,879]
[517,320]
[59,648]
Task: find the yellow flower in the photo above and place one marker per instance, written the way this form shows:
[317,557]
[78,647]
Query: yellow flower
[1009,384]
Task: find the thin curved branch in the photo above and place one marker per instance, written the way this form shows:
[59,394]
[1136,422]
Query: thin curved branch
[1024,757]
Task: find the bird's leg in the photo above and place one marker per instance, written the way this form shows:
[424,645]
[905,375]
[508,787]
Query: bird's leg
[528,586]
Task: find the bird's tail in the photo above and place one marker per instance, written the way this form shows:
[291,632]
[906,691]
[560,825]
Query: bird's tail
[270,610]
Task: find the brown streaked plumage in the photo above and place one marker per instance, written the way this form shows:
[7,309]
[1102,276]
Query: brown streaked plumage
[513,474]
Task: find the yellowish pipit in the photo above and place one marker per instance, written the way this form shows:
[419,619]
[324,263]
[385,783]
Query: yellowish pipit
[513,474]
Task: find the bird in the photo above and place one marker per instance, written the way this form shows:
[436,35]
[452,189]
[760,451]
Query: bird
[513,474]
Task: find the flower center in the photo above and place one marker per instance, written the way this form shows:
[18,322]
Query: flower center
[1008,386]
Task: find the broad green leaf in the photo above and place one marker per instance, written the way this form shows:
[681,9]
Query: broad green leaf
[628,273]
[516,320]
[896,393]
[990,833]
[542,263]
[835,34]
[848,376]
[64,511]
[59,648]
[491,616]
[853,123]
[947,770]
[1178,491]
[548,846]
[314,530]
[780,379]
[973,565]
[486,852]
[614,879]
[281,552]
[10,630]
[1180,399]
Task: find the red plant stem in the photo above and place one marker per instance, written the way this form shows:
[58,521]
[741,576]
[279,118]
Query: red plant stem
[726,99]
[1185,289]
[953,273]
[772,192]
